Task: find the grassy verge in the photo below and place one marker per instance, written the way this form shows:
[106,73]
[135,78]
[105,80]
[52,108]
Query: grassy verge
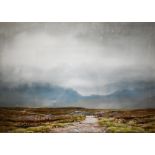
[116,125]
[48,126]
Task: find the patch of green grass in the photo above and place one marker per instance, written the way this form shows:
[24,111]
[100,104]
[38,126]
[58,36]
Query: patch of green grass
[19,130]
[40,129]
[125,129]
[115,125]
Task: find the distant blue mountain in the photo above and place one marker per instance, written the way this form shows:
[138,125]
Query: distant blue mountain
[126,95]
[138,90]
[139,94]
[30,94]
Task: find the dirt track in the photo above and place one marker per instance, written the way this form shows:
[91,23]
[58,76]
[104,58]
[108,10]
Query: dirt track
[89,125]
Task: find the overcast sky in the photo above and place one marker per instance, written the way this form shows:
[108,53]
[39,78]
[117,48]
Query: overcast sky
[82,56]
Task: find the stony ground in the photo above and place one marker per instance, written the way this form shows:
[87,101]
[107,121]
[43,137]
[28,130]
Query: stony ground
[89,125]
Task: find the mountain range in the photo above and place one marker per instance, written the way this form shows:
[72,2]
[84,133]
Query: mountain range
[139,94]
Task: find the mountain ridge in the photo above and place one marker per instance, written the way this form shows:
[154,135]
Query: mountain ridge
[52,96]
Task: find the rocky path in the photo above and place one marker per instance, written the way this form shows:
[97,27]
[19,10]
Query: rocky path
[89,125]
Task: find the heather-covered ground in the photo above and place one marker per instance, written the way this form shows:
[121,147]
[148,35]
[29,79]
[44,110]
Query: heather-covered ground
[128,121]
[41,120]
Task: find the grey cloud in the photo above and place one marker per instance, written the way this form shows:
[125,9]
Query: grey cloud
[82,56]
